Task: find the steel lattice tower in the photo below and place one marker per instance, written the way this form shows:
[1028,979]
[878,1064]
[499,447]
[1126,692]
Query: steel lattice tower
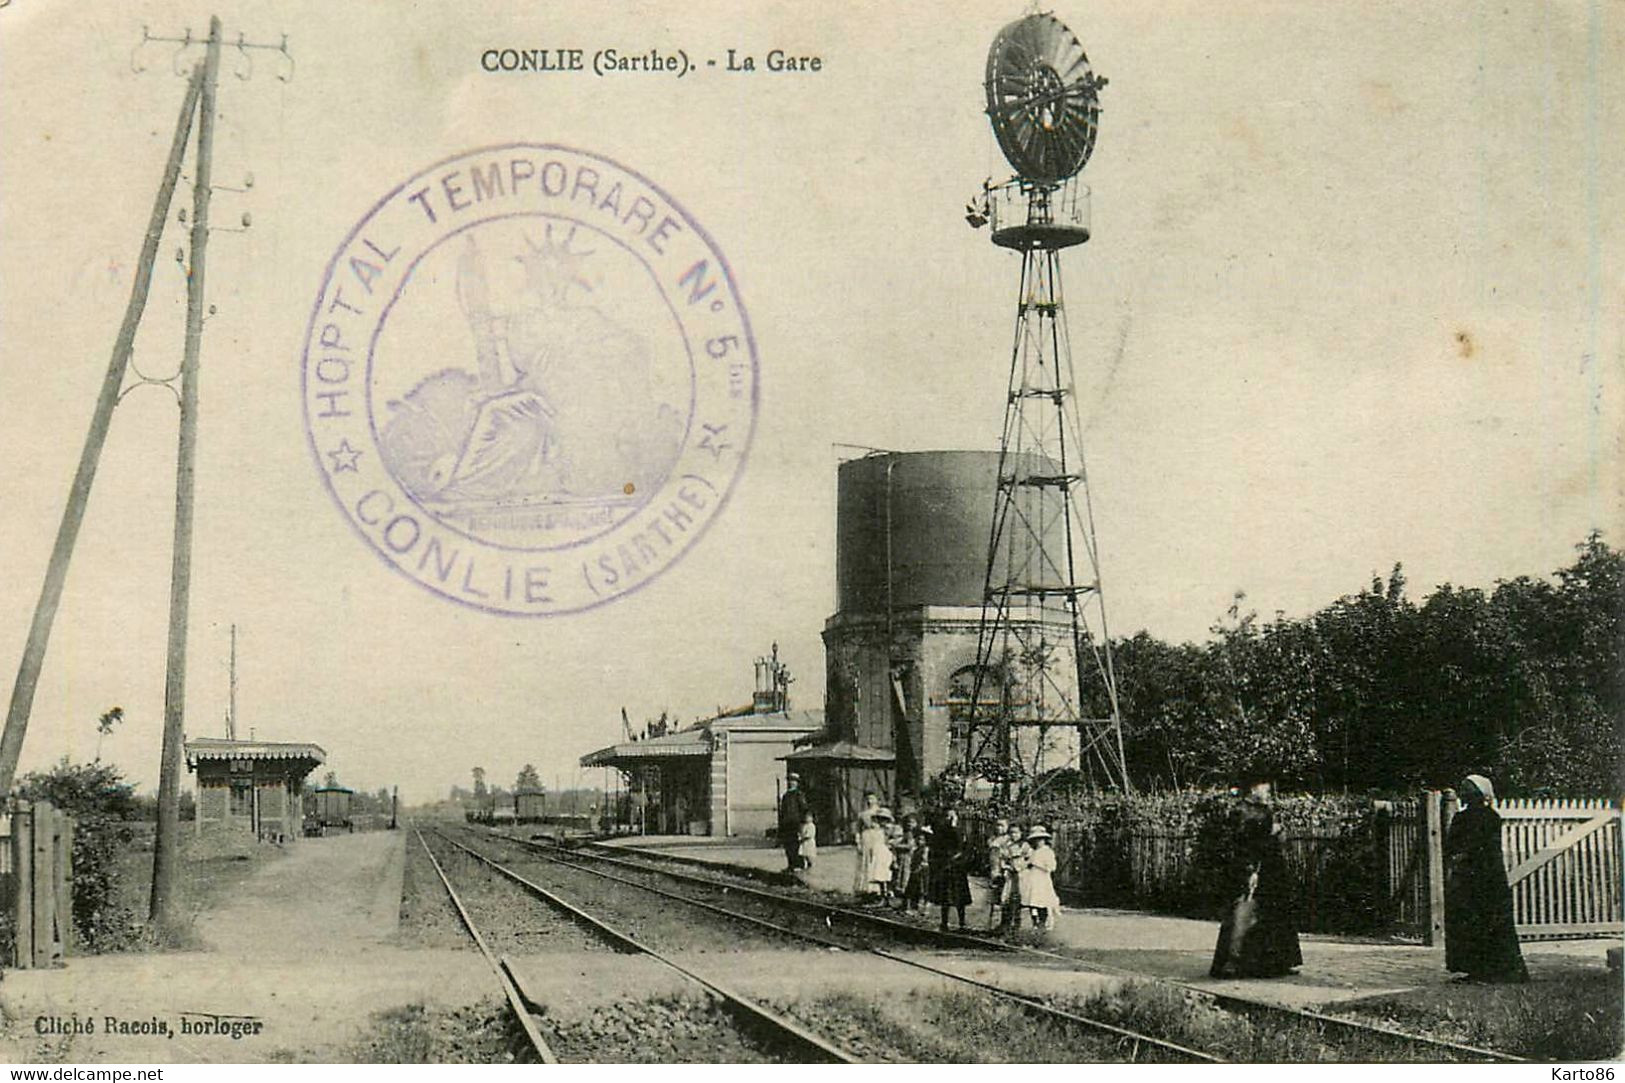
[1039,661]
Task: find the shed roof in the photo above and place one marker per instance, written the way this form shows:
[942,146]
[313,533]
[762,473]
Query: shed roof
[841,752]
[217,748]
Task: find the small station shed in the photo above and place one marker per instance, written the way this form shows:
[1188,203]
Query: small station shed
[331,810]
[251,788]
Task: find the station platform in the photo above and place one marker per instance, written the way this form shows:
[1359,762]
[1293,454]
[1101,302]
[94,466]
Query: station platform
[1335,968]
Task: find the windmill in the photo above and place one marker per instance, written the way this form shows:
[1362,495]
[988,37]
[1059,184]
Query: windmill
[1039,664]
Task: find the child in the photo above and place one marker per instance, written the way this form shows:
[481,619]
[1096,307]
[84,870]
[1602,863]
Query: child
[874,856]
[809,842]
[1012,859]
[903,843]
[1037,882]
[920,872]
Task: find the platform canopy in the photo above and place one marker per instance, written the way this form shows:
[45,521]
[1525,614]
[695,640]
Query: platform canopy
[298,753]
[689,742]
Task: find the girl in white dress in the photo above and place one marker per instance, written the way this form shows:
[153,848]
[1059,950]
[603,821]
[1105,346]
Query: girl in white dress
[1037,884]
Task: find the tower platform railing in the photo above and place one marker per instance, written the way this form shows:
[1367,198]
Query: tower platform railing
[1026,216]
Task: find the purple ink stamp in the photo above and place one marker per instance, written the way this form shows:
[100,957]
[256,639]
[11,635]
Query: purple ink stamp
[528,379]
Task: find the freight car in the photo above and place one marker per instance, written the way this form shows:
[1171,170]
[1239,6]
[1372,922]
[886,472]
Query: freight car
[529,806]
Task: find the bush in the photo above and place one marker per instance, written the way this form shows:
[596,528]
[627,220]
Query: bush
[103,807]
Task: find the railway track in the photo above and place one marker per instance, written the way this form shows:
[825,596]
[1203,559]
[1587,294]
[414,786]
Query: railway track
[1130,1043]
[1330,1027]
[778,1036]
[510,991]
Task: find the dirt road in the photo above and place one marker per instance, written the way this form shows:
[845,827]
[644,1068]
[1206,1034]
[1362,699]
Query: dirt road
[299,958]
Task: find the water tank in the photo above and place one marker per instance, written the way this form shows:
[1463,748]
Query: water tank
[937,507]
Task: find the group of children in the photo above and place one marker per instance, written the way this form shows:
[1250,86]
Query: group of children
[1021,868]
[894,859]
[894,867]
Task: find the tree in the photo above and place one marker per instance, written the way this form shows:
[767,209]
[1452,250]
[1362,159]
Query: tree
[479,782]
[330,780]
[528,779]
[104,727]
[1373,691]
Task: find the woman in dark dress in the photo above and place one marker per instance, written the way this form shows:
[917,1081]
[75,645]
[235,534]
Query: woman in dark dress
[1258,937]
[1480,937]
[950,886]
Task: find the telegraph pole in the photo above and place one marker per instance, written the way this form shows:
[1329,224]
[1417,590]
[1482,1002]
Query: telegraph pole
[231,699]
[180,586]
[73,515]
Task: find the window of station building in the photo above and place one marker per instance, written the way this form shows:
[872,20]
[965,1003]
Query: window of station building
[242,798]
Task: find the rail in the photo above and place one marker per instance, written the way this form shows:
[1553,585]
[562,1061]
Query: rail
[1029,1003]
[1228,1001]
[516,1001]
[789,1031]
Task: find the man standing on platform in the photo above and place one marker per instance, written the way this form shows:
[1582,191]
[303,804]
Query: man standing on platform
[792,811]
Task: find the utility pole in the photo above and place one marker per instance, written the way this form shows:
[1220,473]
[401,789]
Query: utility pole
[167,839]
[73,515]
[231,691]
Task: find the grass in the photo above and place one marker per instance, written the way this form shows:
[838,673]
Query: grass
[1577,1018]
[967,1027]
[481,1033]
[208,871]
[1188,1018]
[960,1028]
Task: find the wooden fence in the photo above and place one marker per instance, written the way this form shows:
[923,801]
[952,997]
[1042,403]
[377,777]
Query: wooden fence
[36,884]
[1563,860]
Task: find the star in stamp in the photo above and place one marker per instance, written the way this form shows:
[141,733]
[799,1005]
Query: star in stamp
[529,382]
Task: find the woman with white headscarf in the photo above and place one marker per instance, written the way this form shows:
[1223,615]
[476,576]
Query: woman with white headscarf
[1480,936]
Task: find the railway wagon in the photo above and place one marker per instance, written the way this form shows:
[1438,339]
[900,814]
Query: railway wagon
[331,811]
[529,806]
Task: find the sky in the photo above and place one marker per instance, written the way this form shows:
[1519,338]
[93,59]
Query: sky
[1351,300]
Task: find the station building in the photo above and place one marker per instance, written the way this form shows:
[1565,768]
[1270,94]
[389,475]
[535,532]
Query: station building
[253,789]
[721,776]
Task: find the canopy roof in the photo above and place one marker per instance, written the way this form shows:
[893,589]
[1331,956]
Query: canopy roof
[696,739]
[692,742]
[841,752]
[216,748]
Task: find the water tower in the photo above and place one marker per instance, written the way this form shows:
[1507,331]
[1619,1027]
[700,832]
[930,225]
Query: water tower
[1040,666]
